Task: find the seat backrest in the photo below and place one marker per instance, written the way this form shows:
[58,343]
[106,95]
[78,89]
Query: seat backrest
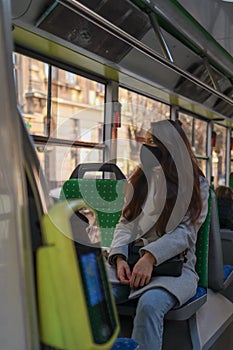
[202,248]
[227,245]
[105,196]
[215,263]
[231,181]
[81,169]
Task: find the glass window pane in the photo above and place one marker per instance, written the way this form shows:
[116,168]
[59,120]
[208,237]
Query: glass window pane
[196,130]
[200,137]
[137,113]
[187,125]
[77,103]
[76,115]
[202,163]
[58,162]
[31,79]
[219,156]
[77,107]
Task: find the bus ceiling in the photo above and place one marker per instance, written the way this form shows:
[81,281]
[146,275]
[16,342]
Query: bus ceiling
[156,41]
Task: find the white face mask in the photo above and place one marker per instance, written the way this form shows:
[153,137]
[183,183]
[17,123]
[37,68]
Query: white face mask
[150,156]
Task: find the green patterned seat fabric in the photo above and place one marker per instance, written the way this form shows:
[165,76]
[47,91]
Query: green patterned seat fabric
[202,247]
[231,181]
[105,196]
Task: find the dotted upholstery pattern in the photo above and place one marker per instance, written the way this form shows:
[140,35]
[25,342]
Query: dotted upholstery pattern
[125,344]
[202,247]
[105,196]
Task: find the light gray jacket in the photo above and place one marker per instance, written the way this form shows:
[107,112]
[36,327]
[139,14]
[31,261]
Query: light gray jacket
[162,248]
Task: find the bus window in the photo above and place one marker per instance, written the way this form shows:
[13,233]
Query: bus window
[31,87]
[219,156]
[58,162]
[64,112]
[77,108]
[76,102]
[196,130]
[137,113]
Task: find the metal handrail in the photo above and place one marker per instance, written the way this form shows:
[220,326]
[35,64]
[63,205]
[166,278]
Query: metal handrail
[101,22]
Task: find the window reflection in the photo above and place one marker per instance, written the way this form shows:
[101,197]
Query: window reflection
[72,97]
[58,104]
[219,156]
[196,131]
[137,113]
[58,162]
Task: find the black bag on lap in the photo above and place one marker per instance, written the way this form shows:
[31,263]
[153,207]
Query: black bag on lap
[171,267]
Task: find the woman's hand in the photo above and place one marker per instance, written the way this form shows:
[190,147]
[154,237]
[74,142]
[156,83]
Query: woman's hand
[123,270]
[142,271]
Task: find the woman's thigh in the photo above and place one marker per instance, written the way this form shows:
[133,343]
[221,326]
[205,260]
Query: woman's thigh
[157,299]
[120,292]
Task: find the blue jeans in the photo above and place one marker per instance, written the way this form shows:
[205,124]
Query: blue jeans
[151,309]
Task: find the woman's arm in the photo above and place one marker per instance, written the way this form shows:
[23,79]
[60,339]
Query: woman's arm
[183,237]
[124,234]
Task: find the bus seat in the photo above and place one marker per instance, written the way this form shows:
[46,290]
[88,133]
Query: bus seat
[185,311]
[83,168]
[231,181]
[220,275]
[105,196]
[227,245]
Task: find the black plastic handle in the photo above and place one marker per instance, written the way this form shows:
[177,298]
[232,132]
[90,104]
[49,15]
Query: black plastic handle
[82,168]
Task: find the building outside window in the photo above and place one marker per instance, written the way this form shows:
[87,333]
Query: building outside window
[196,131]
[137,114]
[59,105]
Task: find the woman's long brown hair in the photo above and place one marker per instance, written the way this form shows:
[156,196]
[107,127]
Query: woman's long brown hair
[140,188]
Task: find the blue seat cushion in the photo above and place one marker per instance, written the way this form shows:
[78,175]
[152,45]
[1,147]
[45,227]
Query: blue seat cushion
[124,344]
[199,293]
[228,269]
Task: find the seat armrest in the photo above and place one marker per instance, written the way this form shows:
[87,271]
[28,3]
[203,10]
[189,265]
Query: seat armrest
[226,234]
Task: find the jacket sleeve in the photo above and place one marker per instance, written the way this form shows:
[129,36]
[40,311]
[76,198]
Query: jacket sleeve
[183,237]
[122,237]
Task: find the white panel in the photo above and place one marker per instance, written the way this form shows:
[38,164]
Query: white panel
[14,323]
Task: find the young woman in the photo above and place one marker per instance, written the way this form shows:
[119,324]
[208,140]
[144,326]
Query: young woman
[165,207]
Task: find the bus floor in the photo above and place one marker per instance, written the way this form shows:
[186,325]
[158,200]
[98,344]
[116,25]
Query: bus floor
[176,335]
